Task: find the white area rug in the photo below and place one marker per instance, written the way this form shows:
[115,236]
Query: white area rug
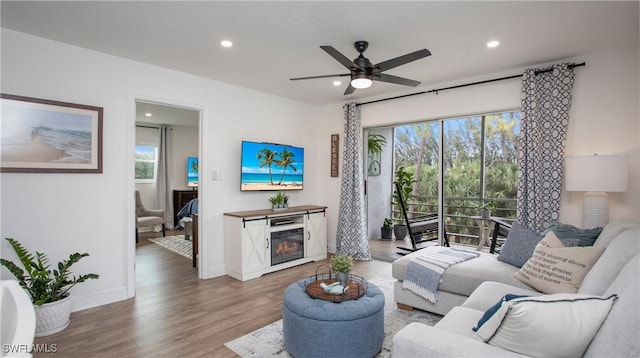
[268,342]
[176,244]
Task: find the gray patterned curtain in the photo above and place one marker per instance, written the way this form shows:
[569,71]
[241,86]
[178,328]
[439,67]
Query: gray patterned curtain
[163,191]
[546,100]
[351,238]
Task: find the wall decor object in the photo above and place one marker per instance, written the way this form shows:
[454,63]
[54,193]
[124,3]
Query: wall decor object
[44,136]
[335,145]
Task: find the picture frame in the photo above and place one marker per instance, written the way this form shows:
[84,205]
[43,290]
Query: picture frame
[45,136]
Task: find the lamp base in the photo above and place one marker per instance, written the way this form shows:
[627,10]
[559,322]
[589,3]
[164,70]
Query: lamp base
[595,210]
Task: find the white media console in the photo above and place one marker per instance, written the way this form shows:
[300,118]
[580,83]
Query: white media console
[262,241]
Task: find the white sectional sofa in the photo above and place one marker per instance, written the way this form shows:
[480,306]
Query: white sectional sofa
[486,280]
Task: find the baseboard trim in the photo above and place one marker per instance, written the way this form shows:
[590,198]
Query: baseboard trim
[98,299]
[215,271]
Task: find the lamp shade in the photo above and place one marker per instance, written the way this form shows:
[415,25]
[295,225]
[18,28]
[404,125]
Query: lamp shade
[597,173]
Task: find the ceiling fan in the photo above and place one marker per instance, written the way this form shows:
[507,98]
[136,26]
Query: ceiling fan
[363,72]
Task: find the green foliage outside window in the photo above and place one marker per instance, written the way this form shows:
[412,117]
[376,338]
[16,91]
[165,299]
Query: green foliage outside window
[145,162]
[416,147]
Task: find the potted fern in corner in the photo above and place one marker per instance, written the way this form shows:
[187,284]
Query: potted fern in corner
[47,287]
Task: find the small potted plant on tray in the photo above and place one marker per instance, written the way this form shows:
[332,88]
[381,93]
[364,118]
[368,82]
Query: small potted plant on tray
[341,266]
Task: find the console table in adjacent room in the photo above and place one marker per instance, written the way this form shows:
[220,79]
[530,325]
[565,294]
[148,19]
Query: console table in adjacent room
[252,239]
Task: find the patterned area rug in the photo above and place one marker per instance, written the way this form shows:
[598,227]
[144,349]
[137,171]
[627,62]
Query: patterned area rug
[176,244]
[268,342]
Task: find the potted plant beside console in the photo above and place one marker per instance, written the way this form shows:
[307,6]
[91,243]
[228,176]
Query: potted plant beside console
[47,287]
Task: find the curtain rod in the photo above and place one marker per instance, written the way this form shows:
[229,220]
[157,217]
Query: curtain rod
[465,85]
[141,126]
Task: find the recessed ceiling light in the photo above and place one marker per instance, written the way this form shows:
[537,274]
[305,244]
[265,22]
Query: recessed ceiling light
[148,114]
[337,83]
[226,43]
[492,44]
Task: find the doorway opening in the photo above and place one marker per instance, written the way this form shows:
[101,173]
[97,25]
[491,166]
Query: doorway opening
[167,149]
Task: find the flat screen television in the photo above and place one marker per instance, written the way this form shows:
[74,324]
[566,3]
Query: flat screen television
[192,172]
[270,166]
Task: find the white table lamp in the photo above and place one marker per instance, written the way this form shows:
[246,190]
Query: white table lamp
[596,175]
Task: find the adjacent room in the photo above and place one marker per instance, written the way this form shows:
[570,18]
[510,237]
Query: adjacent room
[195,178]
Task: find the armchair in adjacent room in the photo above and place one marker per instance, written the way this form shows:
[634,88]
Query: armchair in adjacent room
[147,217]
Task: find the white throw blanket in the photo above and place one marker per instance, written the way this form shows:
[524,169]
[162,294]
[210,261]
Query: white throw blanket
[425,271]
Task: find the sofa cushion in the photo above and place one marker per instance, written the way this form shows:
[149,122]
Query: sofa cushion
[489,292]
[586,237]
[554,268]
[619,334]
[493,309]
[566,323]
[464,277]
[458,321]
[419,340]
[615,257]
[612,230]
[519,246]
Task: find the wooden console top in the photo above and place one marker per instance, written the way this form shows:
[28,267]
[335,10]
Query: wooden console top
[270,212]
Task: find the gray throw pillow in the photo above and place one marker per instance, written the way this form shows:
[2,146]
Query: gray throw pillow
[519,246]
[565,231]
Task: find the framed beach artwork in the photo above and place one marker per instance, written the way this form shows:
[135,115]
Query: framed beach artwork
[43,136]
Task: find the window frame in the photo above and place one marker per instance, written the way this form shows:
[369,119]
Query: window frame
[154,161]
[482,117]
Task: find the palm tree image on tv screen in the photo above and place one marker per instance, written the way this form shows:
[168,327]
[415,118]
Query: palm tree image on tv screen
[270,166]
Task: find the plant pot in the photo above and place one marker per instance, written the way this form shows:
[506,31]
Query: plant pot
[343,278]
[279,207]
[52,317]
[385,233]
[400,231]
[485,213]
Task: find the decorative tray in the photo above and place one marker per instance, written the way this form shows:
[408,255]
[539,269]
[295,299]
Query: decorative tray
[356,288]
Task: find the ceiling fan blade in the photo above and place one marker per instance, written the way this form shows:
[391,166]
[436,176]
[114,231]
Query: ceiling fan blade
[349,89]
[401,60]
[321,76]
[395,79]
[339,56]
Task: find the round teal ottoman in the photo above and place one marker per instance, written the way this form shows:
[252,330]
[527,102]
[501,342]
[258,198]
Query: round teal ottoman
[319,328]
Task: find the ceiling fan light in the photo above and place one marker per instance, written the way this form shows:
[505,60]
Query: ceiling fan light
[361,82]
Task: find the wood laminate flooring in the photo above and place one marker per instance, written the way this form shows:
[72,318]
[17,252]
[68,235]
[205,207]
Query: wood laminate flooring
[175,314]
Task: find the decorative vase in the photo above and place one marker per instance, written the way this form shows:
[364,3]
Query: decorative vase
[52,317]
[343,278]
[400,231]
[385,233]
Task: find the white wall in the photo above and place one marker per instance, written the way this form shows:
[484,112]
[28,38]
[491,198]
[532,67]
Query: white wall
[63,213]
[604,119]
[184,144]
[378,205]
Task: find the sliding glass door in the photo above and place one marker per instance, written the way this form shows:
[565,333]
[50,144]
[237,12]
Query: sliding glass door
[459,165]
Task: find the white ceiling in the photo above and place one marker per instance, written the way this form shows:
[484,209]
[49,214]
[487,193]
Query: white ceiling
[165,114]
[275,41]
